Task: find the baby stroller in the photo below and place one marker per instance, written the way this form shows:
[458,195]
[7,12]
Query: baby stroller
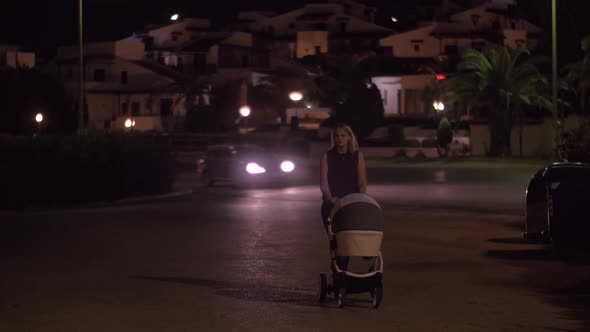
[354,230]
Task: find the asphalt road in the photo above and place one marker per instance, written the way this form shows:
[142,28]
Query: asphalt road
[231,259]
[493,190]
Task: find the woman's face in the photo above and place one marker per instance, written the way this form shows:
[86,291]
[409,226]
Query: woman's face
[341,138]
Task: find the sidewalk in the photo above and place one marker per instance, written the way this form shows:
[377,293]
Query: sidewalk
[469,162]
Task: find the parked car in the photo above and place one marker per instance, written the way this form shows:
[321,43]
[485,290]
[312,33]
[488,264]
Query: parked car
[246,164]
[558,205]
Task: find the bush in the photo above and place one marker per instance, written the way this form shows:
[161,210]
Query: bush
[444,135]
[577,143]
[401,153]
[49,171]
[430,143]
[412,143]
[396,135]
[420,156]
[362,109]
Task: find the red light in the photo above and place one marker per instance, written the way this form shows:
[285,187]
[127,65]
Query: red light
[441,77]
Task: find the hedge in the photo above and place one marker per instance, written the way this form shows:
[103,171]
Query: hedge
[57,170]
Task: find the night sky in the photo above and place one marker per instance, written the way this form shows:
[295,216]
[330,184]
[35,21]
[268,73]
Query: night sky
[42,25]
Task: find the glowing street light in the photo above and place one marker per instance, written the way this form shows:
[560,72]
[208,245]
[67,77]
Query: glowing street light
[438,105]
[295,96]
[394,19]
[39,119]
[174,17]
[245,111]
[129,123]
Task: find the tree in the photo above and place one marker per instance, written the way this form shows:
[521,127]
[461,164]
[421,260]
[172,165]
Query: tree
[26,92]
[498,83]
[578,74]
[354,99]
[275,88]
[362,109]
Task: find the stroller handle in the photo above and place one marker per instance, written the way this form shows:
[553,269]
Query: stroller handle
[330,233]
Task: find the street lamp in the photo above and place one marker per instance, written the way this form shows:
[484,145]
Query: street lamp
[174,17]
[556,123]
[438,105]
[295,96]
[245,111]
[129,123]
[39,119]
[81,98]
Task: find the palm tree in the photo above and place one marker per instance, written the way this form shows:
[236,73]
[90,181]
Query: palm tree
[578,74]
[498,83]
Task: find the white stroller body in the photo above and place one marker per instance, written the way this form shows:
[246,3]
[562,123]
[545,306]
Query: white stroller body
[355,230]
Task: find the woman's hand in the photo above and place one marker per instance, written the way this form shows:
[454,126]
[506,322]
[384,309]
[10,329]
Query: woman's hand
[334,200]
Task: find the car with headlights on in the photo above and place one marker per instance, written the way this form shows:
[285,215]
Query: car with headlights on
[558,205]
[246,164]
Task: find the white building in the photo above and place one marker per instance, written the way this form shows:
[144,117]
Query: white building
[319,28]
[191,47]
[483,27]
[161,41]
[403,95]
[120,84]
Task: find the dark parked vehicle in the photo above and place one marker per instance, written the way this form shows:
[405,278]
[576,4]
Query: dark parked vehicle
[246,164]
[558,205]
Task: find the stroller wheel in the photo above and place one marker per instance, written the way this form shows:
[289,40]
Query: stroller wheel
[376,296]
[340,297]
[323,288]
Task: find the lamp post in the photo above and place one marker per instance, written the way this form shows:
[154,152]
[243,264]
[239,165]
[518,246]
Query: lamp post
[39,119]
[81,62]
[130,123]
[296,96]
[244,113]
[439,107]
[556,122]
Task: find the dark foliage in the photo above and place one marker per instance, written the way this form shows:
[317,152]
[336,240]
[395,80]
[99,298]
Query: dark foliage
[444,134]
[362,109]
[26,92]
[396,135]
[57,170]
[577,144]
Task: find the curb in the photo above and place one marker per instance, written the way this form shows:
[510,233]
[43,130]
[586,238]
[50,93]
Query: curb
[105,204]
[143,199]
[134,200]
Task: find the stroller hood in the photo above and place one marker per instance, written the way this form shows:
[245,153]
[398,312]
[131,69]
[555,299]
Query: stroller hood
[356,212]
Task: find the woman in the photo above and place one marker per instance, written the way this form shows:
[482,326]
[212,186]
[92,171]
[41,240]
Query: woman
[342,169]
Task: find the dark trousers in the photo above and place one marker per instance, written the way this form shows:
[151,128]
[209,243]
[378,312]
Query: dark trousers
[327,206]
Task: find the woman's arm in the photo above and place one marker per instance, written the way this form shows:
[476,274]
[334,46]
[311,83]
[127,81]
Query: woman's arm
[324,186]
[362,177]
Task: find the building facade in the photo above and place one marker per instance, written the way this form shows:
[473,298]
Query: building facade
[121,85]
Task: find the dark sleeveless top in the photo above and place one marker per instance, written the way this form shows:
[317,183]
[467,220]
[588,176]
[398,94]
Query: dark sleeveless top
[343,173]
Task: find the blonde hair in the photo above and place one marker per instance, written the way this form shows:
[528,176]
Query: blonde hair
[353,145]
